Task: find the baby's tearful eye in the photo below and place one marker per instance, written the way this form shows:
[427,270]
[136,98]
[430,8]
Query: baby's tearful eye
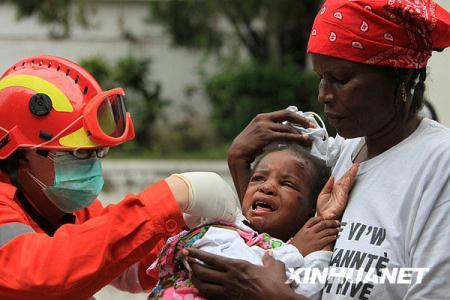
[257,178]
[290,184]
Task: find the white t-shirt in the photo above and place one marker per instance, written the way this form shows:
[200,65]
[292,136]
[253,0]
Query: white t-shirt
[397,216]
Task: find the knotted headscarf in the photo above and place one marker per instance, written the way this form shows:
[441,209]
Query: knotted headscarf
[395,33]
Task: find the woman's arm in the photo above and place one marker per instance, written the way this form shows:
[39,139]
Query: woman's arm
[263,129]
[224,278]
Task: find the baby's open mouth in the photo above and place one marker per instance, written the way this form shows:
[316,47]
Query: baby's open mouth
[262,206]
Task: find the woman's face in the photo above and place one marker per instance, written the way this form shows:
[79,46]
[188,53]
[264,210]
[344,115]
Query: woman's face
[359,100]
[278,197]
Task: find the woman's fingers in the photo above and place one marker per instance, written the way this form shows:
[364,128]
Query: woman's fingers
[278,127]
[328,186]
[266,128]
[215,261]
[346,182]
[286,115]
[207,289]
[282,128]
[204,272]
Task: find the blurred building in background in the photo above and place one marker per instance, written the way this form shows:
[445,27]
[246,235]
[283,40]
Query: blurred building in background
[118,29]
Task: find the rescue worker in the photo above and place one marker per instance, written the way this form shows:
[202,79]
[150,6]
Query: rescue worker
[56,239]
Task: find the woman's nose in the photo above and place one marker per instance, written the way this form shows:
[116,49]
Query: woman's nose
[326,93]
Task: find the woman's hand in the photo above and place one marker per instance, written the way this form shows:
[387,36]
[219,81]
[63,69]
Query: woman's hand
[262,130]
[225,278]
[333,197]
[317,234]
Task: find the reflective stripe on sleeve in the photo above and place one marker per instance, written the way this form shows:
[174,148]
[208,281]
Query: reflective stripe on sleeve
[11,230]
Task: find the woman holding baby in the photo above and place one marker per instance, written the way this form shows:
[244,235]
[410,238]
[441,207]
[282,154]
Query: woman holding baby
[371,58]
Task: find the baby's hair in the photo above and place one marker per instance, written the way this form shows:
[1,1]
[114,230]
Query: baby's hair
[321,171]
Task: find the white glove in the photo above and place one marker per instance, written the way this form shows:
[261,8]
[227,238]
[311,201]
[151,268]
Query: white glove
[209,197]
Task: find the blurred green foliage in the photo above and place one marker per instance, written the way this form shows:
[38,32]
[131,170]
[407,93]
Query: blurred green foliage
[271,75]
[143,94]
[187,29]
[58,14]
[192,136]
[241,91]
[270,30]
[274,35]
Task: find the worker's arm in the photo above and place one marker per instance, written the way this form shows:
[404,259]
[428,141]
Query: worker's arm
[80,259]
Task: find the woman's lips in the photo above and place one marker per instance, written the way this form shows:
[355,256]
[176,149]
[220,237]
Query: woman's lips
[332,116]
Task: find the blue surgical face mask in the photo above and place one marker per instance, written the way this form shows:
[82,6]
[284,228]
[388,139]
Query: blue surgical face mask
[77,182]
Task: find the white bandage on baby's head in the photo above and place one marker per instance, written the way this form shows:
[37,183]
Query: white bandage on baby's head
[322,146]
[317,131]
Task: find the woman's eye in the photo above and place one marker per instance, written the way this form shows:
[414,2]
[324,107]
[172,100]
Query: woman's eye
[341,79]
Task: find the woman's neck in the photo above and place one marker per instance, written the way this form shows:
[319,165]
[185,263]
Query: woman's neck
[390,136]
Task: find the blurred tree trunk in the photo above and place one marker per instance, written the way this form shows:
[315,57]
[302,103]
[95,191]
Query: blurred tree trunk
[269,30]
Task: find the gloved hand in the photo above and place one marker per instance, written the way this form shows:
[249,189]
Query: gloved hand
[209,197]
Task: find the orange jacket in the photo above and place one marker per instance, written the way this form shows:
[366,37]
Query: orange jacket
[81,258]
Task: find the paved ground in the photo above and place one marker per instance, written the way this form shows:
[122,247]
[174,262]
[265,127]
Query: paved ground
[110,293]
[131,176]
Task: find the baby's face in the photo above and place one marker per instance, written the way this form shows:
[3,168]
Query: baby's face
[278,198]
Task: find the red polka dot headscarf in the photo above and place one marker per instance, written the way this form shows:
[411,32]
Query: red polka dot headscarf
[395,33]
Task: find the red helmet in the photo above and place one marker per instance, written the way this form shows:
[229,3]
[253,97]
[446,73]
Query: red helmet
[52,103]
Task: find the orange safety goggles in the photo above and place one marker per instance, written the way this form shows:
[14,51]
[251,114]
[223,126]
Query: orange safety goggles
[105,123]
[106,119]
